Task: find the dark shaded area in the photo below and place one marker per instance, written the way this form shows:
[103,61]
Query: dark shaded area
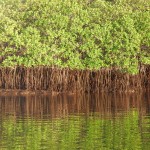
[67,80]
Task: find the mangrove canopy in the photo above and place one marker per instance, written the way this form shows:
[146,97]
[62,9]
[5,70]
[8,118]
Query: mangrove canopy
[75,34]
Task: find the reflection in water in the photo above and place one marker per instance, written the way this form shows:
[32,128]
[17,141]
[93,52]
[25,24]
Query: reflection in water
[63,122]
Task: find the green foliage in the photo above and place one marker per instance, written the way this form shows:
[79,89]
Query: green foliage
[76,34]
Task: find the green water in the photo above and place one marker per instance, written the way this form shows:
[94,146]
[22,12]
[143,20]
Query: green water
[89,122]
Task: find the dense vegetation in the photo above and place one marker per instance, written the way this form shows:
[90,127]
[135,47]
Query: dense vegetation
[81,34]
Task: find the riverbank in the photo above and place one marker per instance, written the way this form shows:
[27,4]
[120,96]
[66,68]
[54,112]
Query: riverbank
[66,80]
[84,46]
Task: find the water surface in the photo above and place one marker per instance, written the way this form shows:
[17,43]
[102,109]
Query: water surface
[70,122]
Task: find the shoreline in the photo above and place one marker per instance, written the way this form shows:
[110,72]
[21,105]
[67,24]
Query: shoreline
[55,80]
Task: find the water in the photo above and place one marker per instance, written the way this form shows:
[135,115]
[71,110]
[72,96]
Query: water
[82,122]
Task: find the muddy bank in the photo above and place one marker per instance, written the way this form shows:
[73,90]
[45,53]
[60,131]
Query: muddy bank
[66,80]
